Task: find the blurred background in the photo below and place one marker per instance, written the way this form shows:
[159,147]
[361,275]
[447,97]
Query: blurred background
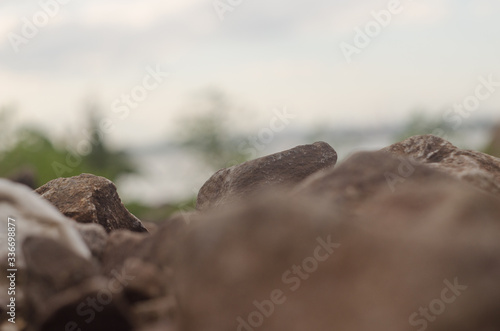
[157,95]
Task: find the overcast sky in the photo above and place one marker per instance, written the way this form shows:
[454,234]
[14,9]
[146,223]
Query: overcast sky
[263,54]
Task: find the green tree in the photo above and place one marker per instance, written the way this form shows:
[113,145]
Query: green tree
[28,149]
[208,132]
[422,124]
[493,147]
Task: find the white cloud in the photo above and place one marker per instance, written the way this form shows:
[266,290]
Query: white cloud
[485,8]
[426,12]
[133,14]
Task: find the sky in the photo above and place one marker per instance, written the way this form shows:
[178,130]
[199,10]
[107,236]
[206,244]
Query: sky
[335,63]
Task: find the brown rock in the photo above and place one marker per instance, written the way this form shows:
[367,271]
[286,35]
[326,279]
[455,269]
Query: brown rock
[158,249]
[476,168]
[121,245]
[34,216]
[148,261]
[290,264]
[362,176]
[67,292]
[94,236]
[26,176]
[90,306]
[163,325]
[90,199]
[285,168]
[51,269]
[146,282]
[30,216]
[162,310]
[150,226]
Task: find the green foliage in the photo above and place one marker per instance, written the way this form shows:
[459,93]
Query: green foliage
[208,132]
[421,124]
[493,147]
[160,213]
[28,149]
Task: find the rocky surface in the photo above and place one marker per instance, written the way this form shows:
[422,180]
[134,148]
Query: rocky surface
[280,169]
[94,236]
[279,263]
[405,238]
[35,217]
[90,199]
[363,176]
[479,169]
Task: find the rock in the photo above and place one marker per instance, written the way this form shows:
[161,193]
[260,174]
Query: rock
[94,236]
[238,254]
[161,310]
[160,248]
[476,168]
[52,271]
[34,217]
[90,199]
[361,177]
[149,261]
[121,245]
[52,267]
[147,281]
[66,292]
[157,248]
[26,176]
[163,325]
[284,263]
[89,306]
[150,226]
[285,168]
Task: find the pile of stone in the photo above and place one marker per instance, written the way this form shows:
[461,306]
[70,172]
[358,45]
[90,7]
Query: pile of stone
[405,238]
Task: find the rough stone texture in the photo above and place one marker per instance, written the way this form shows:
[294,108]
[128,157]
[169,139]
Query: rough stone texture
[149,261]
[121,245]
[57,282]
[90,199]
[34,217]
[161,311]
[372,244]
[362,176]
[147,281]
[390,262]
[163,325]
[157,249]
[284,168]
[479,169]
[26,176]
[94,236]
[72,310]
